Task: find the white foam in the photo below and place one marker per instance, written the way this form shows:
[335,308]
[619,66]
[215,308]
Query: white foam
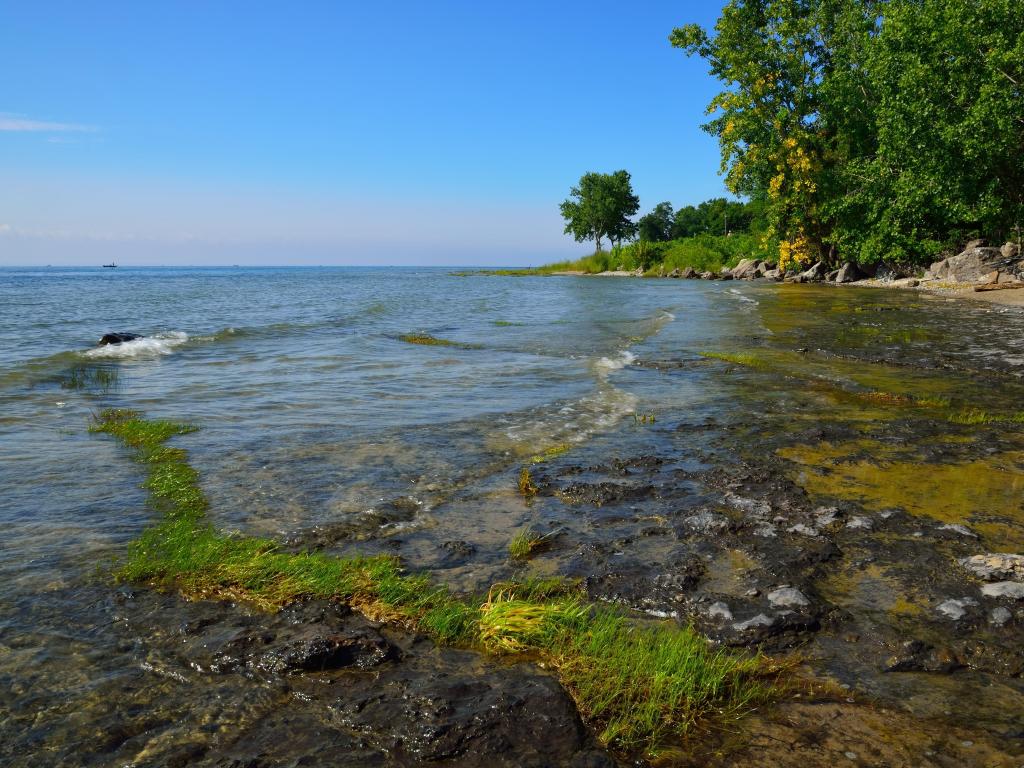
[621,360]
[147,346]
[739,295]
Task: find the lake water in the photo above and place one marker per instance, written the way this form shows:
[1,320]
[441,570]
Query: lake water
[322,428]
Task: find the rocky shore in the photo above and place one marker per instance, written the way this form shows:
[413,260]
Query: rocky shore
[979,271]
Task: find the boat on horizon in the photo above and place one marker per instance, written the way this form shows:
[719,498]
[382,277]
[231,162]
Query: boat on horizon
[111,265]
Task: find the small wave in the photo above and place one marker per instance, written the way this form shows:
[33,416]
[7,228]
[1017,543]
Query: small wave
[739,295]
[148,346]
[609,364]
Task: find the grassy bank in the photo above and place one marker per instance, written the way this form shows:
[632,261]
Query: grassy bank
[643,685]
[705,253]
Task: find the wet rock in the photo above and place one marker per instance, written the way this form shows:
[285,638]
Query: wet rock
[303,648]
[788,597]
[706,522]
[995,566]
[457,552]
[999,616]
[1011,589]
[916,656]
[956,608]
[963,530]
[719,611]
[860,522]
[690,274]
[757,622]
[117,338]
[803,530]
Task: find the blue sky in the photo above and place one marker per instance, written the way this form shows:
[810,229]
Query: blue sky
[336,132]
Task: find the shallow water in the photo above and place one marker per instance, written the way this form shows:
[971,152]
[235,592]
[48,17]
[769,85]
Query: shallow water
[321,428]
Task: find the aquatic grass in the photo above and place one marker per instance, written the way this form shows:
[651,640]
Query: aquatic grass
[426,340]
[738,358]
[644,687]
[976,416]
[551,453]
[526,543]
[89,376]
[526,484]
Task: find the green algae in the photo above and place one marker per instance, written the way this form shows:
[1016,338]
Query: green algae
[426,340]
[643,685]
[881,476]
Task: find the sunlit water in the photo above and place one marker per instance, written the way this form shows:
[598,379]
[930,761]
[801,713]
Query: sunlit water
[315,417]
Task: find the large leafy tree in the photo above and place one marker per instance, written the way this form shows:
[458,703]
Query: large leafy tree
[601,205]
[945,80]
[870,128]
[656,226]
[777,59]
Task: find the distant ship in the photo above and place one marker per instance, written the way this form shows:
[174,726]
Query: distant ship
[111,265]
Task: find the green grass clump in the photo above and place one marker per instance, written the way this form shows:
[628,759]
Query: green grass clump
[527,488]
[506,324]
[976,416]
[551,453]
[642,686]
[526,543]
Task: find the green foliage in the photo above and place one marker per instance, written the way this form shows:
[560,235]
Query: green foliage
[871,130]
[601,206]
[656,226]
[426,340]
[642,685]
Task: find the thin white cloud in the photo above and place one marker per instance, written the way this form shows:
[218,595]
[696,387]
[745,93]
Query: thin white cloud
[20,123]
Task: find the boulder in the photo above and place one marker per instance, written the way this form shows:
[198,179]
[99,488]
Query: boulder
[690,273]
[118,338]
[1011,589]
[745,269]
[981,242]
[773,274]
[831,276]
[815,273]
[888,272]
[969,266]
[708,275]
[675,273]
[725,274]
[1010,251]
[849,273]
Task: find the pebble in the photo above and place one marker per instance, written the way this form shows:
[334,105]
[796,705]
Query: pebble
[860,522]
[850,755]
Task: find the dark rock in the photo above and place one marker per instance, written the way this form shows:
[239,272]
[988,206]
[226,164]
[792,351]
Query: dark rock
[915,656]
[118,338]
[690,273]
[817,272]
[831,276]
[675,273]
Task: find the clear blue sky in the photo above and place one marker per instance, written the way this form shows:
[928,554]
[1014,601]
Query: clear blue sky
[336,132]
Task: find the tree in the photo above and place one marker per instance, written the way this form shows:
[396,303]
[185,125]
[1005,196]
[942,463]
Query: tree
[601,206]
[656,226]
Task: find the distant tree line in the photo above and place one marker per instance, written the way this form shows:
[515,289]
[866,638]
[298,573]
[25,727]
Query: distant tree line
[601,206]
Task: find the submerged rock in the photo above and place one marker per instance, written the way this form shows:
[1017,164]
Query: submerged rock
[788,597]
[1011,589]
[118,338]
[956,608]
[995,566]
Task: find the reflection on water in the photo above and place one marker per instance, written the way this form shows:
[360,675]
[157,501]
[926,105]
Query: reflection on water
[322,429]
